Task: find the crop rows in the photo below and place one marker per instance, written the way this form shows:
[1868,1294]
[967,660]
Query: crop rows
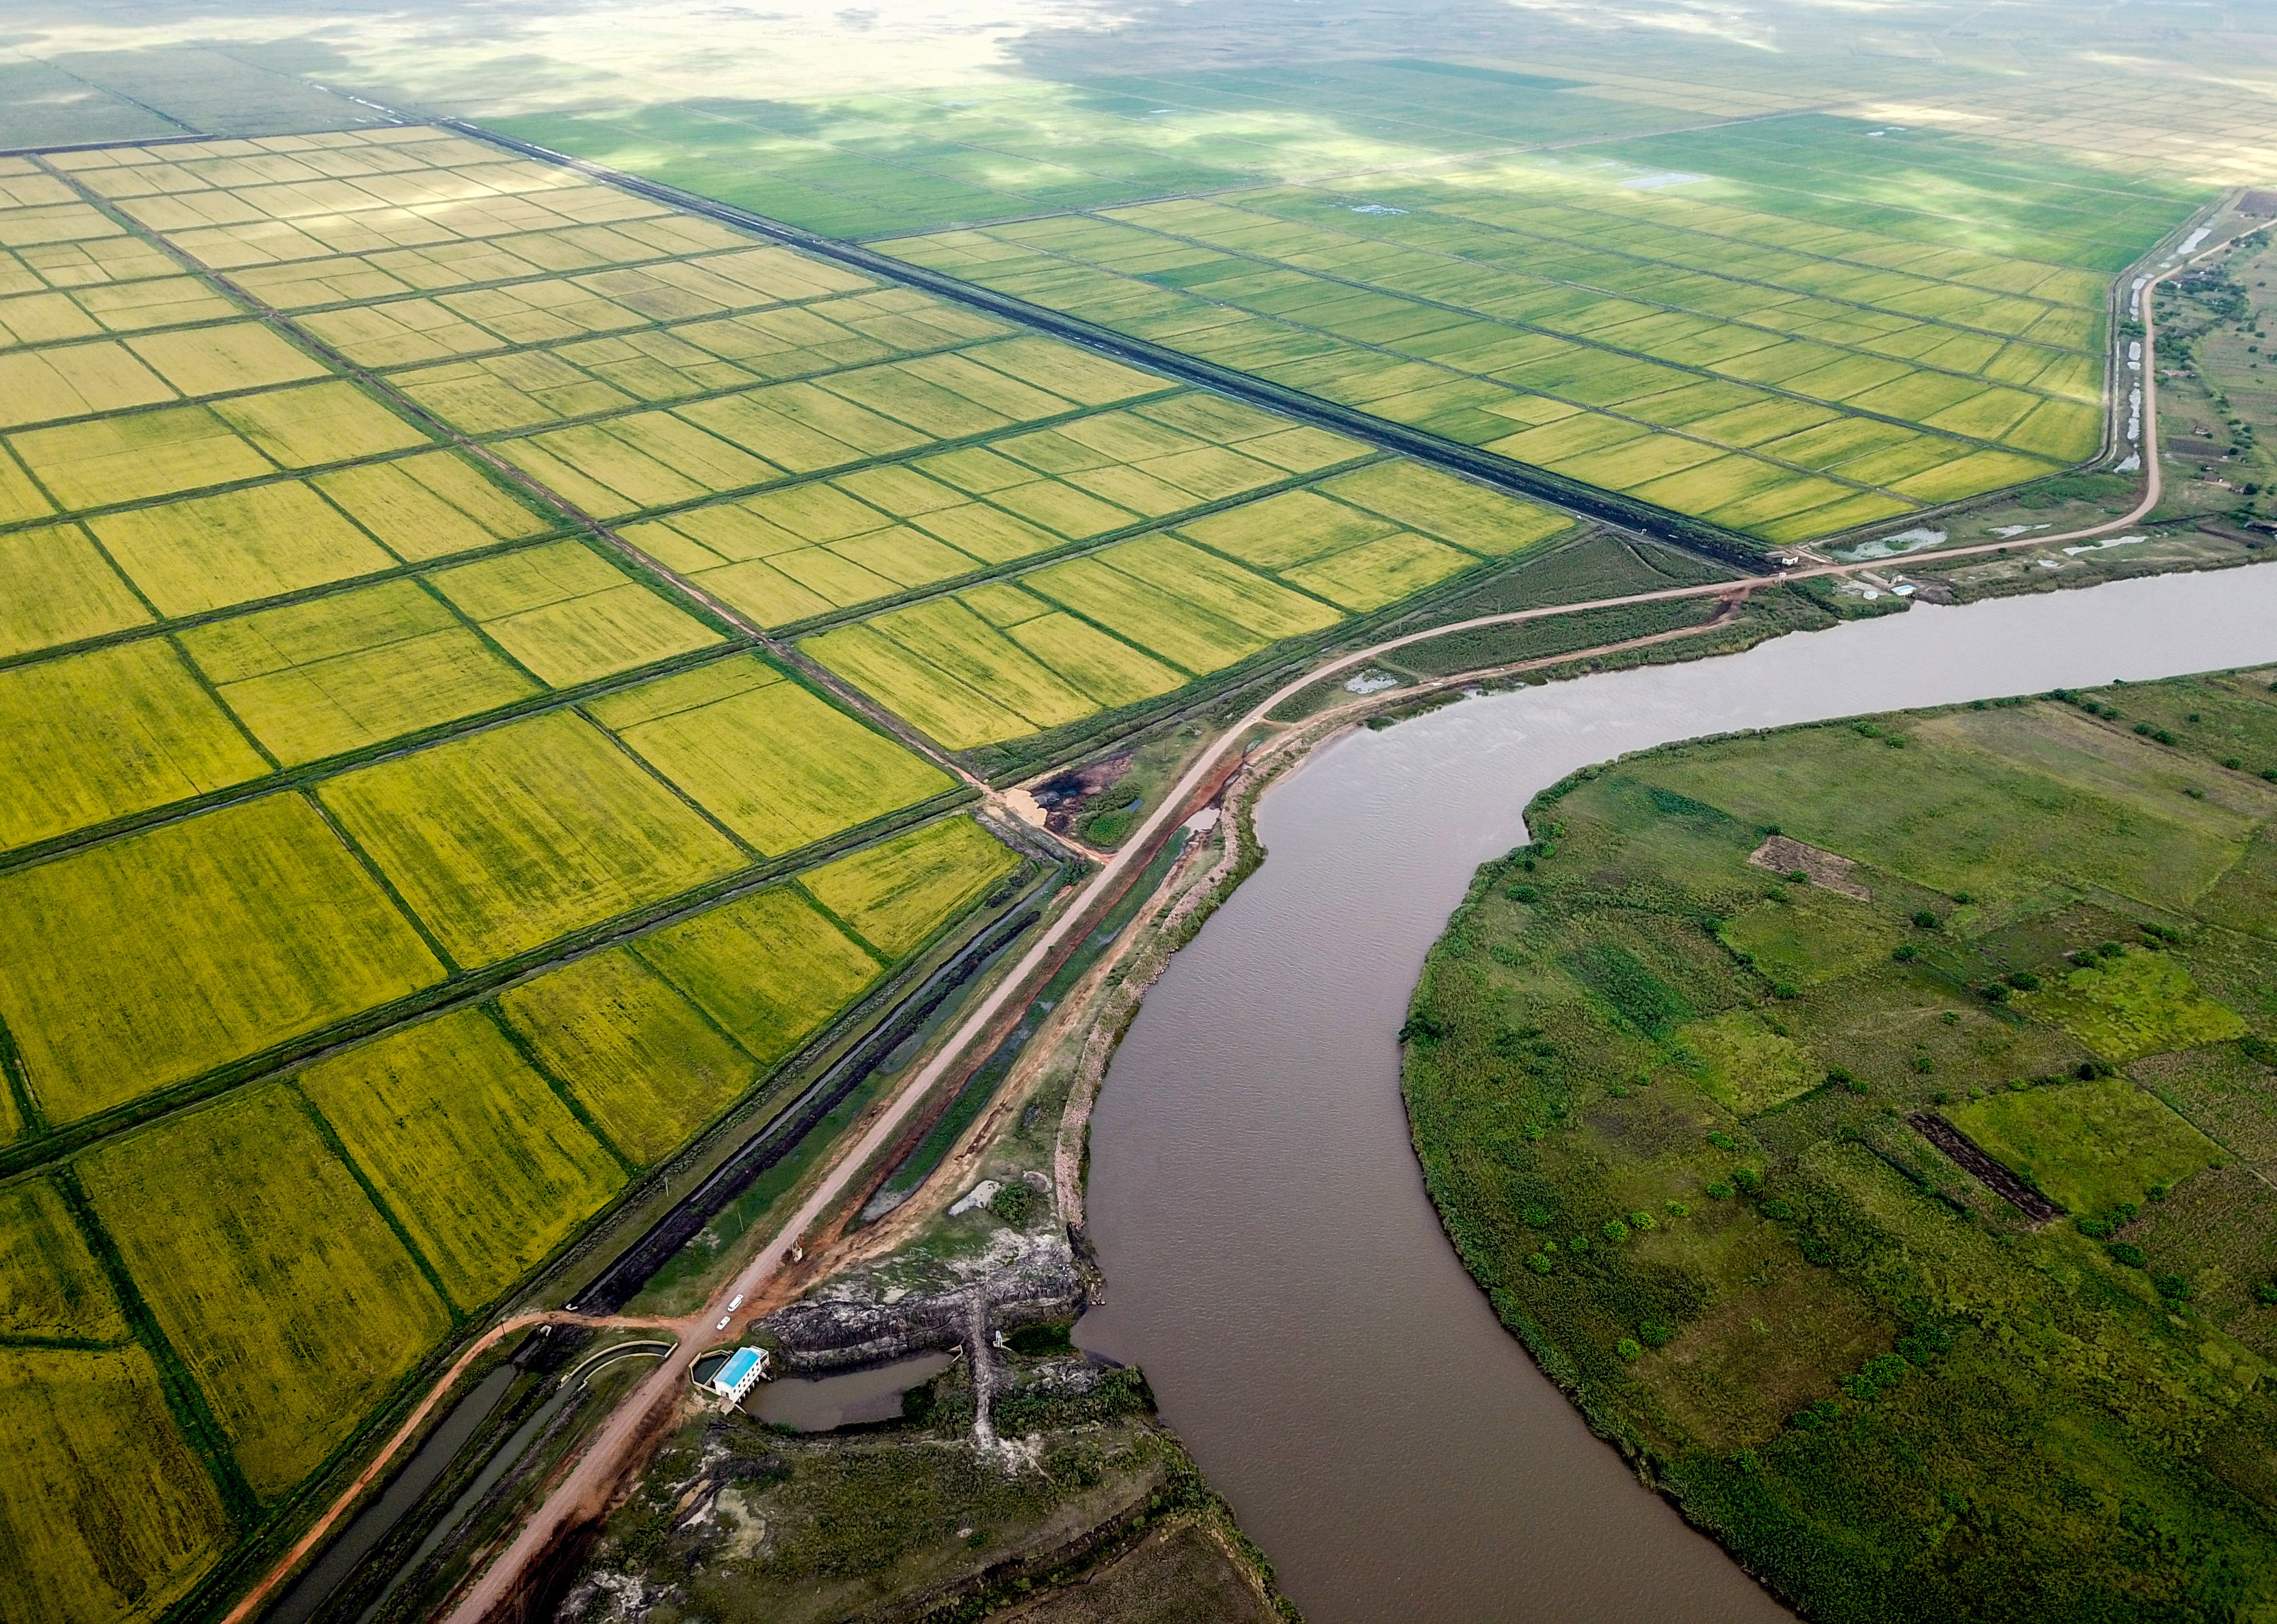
[1736,346]
[439,796]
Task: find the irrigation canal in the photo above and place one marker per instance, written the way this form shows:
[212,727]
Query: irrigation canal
[1271,1258]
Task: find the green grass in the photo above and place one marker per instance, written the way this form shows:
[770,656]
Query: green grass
[292,1301]
[638,1058]
[507,839]
[2088,1145]
[190,946]
[105,1513]
[898,892]
[483,1164]
[1667,1101]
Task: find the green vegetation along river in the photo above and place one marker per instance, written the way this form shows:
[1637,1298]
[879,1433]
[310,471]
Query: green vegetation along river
[1274,1262]
[1871,1125]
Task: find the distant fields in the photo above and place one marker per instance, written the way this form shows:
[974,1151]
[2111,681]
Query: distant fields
[1740,326]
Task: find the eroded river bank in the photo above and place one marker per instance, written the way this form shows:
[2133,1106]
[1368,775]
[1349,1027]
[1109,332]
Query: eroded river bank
[1271,1257]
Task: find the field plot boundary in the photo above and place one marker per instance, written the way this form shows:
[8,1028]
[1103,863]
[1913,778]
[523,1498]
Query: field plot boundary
[775,1114]
[463,987]
[1503,473]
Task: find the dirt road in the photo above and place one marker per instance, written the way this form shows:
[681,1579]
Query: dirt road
[613,1450]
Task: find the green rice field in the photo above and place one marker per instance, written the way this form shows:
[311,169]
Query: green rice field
[1733,326]
[485,656]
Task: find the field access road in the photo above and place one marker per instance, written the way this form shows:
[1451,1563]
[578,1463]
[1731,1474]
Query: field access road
[615,1448]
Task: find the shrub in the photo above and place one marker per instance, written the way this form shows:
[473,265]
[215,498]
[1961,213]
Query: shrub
[1579,1244]
[2110,950]
[1536,1216]
[1926,1343]
[2232,762]
[1719,1191]
[1924,919]
[1614,1231]
[2174,1288]
[2024,981]
[1015,1203]
[1722,1141]
[1800,876]
[1642,1221]
[1996,992]
[1750,1182]
[1627,1349]
[1777,1209]
[1524,894]
[1905,951]
[2128,1253]
[1821,1415]
[2265,1293]
[1056,1336]
[2257,1048]
[1538,1261]
[1653,1333]
[2094,1228]
[1676,1209]
[2144,728]
[1885,1369]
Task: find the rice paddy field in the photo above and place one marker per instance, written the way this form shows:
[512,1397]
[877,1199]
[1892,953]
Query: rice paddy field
[483,663]
[1787,328]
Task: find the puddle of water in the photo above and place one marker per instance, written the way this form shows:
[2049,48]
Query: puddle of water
[821,1403]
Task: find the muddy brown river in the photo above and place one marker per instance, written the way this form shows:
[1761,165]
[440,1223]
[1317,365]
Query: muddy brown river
[1270,1256]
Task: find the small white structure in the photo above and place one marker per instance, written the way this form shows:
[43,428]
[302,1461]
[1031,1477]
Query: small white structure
[745,1367]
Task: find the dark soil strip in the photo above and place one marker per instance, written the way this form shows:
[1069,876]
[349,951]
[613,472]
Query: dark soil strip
[1969,1156]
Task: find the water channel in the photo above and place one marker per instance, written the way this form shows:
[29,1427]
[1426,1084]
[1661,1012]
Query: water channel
[1271,1258]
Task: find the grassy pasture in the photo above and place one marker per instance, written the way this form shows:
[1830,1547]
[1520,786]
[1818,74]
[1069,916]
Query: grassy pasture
[475,1155]
[94,737]
[646,1066]
[105,1513]
[509,838]
[767,969]
[898,892]
[295,1305]
[778,765]
[1668,1103]
[337,674]
[2093,1145]
[191,945]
